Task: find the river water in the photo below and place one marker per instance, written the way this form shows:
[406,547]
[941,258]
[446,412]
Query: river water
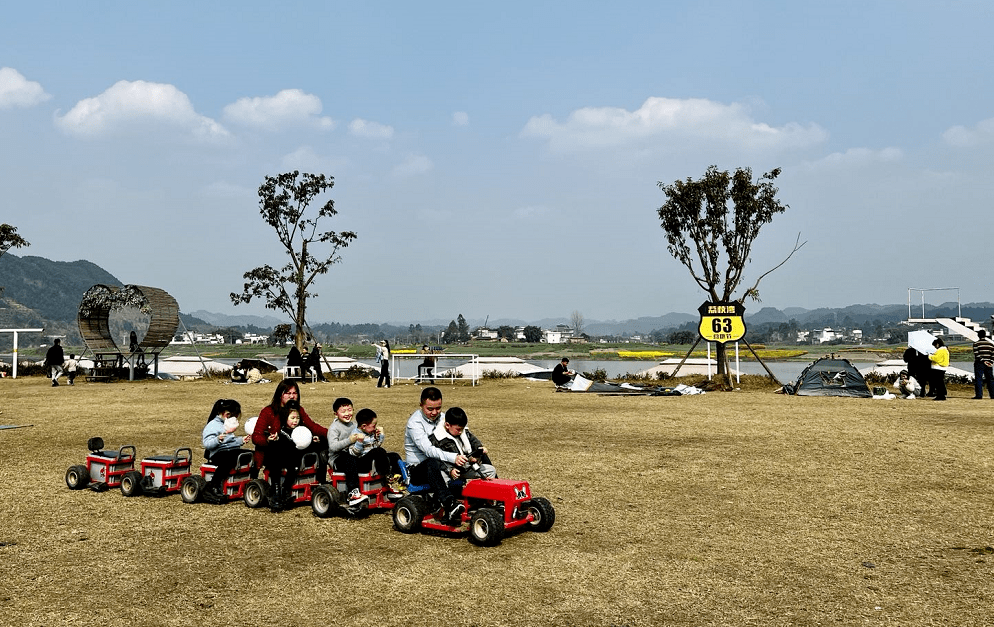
[785,371]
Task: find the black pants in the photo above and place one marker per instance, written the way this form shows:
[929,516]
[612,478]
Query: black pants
[385,464]
[430,472]
[225,460]
[282,455]
[938,384]
[384,373]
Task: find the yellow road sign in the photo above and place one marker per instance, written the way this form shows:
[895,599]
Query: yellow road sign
[722,322]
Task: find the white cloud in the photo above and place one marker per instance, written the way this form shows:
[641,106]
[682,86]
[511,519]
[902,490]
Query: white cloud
[460,118]
[858,157]
[414,165]
[225,189]
[531,211]
[128,104]
[306,159]
[668,120]
[17,91]
[962,137]
[289,107]
[370,130]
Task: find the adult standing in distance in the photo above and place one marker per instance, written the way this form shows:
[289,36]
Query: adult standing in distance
[983,365]
[424,459]
[940,361]
[54,358]
[383,356]
[313,363]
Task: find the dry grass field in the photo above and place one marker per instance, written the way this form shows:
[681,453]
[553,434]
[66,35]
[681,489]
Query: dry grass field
[737,508]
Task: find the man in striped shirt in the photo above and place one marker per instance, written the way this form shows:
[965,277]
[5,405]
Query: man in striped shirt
[983,365]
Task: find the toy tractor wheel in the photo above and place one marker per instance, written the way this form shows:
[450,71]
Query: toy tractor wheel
[131,483]
[256,493]
[408,513]
[486,527]
[325,499]
[77,477]
[191,488]
[543,514]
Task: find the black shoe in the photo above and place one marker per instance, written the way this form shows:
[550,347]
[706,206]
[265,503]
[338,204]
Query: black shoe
[977,398]
[55,383]
[453,514]
[213,494]
[275,497]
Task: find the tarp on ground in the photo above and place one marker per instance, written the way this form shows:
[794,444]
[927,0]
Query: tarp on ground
[830,376]
[583,384]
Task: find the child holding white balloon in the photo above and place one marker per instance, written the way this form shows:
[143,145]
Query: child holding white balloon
[221,446]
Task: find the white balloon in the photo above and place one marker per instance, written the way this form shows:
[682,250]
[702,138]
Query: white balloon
[250,425]
[301,436]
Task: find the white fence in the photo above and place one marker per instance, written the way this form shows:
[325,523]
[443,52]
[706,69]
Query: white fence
[468,366]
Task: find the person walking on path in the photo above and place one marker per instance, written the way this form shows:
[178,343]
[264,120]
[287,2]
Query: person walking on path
[54,359]
[72,368]
[983,365]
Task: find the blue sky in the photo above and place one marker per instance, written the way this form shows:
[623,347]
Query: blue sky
[502,160]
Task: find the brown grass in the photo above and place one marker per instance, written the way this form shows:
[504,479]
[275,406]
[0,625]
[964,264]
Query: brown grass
[740,508]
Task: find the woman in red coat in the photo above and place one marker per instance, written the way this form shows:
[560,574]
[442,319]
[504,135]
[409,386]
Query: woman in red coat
[268,453]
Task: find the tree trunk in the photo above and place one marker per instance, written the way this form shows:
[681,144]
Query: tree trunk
[721,379]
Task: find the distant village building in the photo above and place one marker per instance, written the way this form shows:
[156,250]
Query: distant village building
[560,335]
[483,333]
[253,338]
[189,337]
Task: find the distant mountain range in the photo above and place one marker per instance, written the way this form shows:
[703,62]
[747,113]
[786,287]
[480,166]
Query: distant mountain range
[39,292]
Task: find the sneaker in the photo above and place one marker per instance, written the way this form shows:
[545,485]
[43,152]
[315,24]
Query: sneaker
[454,514]
[395,485]
[911,397]
[55,383]
[356,497]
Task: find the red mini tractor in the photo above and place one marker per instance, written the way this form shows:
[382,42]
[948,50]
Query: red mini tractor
[493,508]
[192,488]
[103,469]
[159,475]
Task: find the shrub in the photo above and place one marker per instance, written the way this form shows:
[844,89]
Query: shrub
[498,374]
[599,375]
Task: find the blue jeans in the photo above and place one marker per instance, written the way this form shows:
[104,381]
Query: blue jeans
[980,374]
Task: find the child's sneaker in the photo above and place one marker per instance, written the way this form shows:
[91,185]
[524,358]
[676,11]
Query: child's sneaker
[356,497]
[395,489]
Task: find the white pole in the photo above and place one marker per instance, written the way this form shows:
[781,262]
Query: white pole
[13,372]
[738,370]
[709,360]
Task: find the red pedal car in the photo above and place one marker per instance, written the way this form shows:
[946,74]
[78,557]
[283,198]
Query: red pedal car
[159,475]
[192,488]
[328,499]
[103,469]
[257,490]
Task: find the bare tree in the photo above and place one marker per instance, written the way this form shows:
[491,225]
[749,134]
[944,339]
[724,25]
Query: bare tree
[283,201]
[576,321]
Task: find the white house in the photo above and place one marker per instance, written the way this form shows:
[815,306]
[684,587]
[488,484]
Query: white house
[483,333]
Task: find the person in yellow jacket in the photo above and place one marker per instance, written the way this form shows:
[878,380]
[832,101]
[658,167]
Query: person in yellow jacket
[940,361]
